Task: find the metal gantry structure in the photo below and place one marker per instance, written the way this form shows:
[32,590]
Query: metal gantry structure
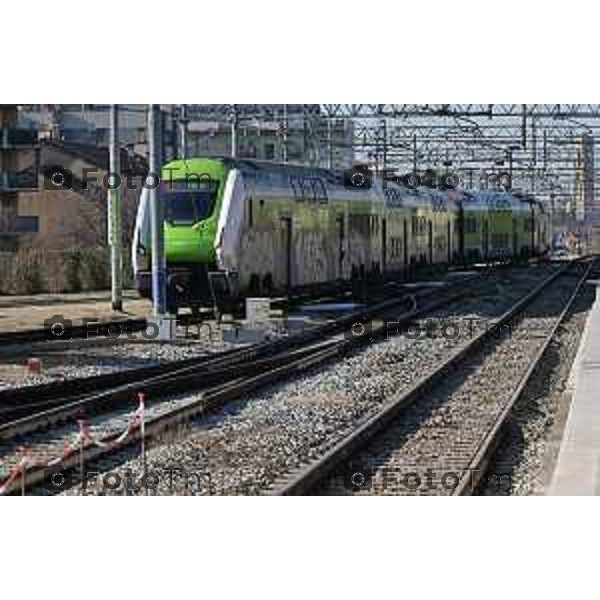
[548,149]
[542,146]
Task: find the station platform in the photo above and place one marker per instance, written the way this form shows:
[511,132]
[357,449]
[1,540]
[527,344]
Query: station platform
[577,471]
[24,313]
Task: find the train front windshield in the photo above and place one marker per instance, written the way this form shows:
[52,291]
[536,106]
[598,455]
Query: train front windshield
[189,206]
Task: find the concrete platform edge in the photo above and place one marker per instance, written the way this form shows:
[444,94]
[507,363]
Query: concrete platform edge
[577,471]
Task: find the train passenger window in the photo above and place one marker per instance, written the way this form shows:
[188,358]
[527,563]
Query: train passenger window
[471,225]
[396,247]
[314,193]
[306,190]
[500,240]
[270,151]
[296,189]
[320,192]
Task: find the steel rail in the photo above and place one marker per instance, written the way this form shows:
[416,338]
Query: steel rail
[489,443]
[255,375]
[60,401]
[307,478]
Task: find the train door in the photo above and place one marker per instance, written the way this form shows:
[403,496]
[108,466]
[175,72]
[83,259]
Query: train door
[383,246]
[341,242]
[286,235]
[449,241]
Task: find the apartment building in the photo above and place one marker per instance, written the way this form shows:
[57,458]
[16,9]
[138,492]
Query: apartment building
[18,174]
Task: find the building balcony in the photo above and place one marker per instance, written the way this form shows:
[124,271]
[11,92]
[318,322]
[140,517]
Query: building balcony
[18,138]
[18,181]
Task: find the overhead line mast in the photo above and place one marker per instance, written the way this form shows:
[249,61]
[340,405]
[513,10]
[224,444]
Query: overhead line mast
[115,213]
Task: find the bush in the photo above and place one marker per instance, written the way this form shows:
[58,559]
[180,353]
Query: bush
[39,270]
[73,271]
[98,268]
[26,273]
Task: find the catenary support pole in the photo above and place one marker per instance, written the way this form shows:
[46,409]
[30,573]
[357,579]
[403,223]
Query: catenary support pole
[234,130]
[285,133]
[183,132]
[159,291]
[115,213]
[329,145]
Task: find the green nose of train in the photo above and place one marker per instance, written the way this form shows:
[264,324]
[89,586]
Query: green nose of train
[191,194]
[192,243]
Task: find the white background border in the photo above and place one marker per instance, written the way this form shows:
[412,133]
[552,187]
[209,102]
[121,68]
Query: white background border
[290,52]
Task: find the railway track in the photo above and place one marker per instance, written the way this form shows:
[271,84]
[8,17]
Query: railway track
[45,430]
[221,378]
[34,336]
[21,409]
[437,436]
[331,293]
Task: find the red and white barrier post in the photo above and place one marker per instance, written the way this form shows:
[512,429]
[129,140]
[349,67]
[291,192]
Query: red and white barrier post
[82,438]
[24,465]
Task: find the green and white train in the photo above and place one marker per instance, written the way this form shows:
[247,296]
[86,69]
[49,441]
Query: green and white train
[260,228]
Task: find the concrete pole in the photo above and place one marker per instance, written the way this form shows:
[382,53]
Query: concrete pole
[329,144]
[552,212]
[385,143]
[183,132]
[234,125]
[159,268]
[285,134]
[115,210]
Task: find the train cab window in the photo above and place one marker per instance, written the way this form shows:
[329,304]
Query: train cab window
[188,206]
